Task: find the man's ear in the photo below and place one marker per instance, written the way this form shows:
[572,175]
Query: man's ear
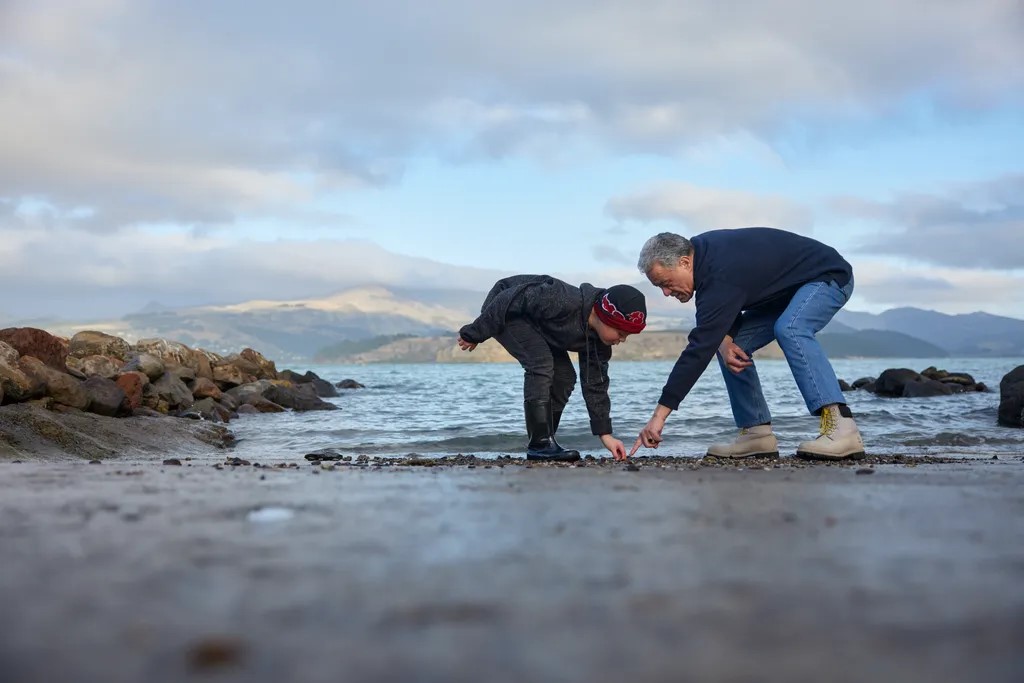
[685,261]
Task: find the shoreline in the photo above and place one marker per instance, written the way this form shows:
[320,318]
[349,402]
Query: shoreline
[135,570]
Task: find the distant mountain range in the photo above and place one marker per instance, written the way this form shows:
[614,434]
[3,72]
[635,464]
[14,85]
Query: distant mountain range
[368,324]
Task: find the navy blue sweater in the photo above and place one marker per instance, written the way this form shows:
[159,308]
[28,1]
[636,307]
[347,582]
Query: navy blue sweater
[739,270]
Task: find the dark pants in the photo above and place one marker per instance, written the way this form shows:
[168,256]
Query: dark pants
[548,372]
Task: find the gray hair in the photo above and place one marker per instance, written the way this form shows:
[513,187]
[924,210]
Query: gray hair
[665,248]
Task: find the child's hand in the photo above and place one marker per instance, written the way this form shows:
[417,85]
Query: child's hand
[614,446]
[465,345]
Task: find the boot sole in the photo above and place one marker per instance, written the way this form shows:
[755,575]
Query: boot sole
[767,454]
[808,455]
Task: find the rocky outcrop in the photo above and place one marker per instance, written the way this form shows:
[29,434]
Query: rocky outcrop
[1011,398]
[30,341]
[102,374]
[906,383]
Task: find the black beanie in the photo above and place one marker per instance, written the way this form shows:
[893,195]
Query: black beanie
[623,307]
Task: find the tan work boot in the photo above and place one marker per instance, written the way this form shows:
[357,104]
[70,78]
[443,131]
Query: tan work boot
[839,439]
[752,442]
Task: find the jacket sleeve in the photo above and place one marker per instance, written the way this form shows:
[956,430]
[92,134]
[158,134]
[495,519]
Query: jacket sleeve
[594,374]
[491,320]
[538,300]
[717,312]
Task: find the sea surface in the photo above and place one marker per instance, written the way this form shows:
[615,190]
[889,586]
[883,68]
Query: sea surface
[444,409]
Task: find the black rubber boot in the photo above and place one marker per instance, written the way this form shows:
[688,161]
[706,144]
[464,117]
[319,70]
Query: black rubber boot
[539,425]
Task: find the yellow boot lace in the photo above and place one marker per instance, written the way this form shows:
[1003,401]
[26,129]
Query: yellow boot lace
[828,422]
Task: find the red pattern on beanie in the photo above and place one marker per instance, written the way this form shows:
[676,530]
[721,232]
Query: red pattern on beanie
[607,312]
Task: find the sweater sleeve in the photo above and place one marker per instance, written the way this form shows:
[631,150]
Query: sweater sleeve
[717,310]
[594,373]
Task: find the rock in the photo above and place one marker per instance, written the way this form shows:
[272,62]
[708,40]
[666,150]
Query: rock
[247,409]
[60,386]
[265,369]
[349,384]
[96,366]
[8,354]
[106,397]
[205,388]
[228,375]
[891,382]
[31,341]
[166,350]
[297,397]
[863,382]
[324,389]
[182,372]
[228,402]
[922,387]
[209,409]
[175,392]
[132,384]
[15,384]
[152,400]
[843,386]
[1011,398]
[91,343]
[146,363]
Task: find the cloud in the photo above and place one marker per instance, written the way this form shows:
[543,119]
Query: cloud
[883,284]
[201,113]
[703,208]
[977,225]
[608,254]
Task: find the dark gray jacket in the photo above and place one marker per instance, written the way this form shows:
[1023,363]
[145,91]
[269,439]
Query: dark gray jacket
[559,312]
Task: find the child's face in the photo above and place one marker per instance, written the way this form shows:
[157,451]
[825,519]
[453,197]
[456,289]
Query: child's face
[608,334]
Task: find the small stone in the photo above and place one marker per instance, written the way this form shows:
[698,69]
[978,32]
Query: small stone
[215,653]
[632,468]
[172,461]
[91,462]
[865,470]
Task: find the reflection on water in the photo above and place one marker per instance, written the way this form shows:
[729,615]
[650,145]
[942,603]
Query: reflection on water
[470,408]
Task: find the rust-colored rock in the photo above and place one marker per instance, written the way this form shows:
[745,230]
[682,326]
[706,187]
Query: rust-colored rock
[132,384]
[205,388]
[31,341]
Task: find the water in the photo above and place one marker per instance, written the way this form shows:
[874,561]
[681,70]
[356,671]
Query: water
[477,408]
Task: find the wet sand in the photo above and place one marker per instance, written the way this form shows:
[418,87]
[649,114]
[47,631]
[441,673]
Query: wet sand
[667,571]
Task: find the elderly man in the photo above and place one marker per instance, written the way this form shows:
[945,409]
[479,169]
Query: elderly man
[753,285]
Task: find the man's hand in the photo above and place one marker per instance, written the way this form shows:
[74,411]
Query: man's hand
[735,358]
[465,345]
[650,435]
[614,446]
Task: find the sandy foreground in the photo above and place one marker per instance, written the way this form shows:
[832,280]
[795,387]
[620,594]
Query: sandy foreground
[287,570]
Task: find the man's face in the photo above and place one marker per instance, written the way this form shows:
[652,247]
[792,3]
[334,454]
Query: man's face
[676,282]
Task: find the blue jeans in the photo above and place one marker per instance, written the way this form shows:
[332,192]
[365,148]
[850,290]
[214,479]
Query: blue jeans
[794,326]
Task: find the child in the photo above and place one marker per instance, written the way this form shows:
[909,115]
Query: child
[538,319]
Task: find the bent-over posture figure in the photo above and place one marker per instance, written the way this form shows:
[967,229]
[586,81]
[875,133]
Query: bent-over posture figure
[539,319]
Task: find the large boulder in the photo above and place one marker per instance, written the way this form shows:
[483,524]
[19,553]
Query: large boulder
[96,366]
[31,341]
[146,363]
[892,381]
[228,375]
[1011,398]
[92,343]
[60,386]
[265,369]
[205,388]
[105,397]
[922,387]
[323,388]
[15,385]
[175,392]
[132,384]
[176,353]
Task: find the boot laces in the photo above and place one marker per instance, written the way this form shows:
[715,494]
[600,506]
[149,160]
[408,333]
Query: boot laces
[828,423]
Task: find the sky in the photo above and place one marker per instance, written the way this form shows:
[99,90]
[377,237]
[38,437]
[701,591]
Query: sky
[192,153]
